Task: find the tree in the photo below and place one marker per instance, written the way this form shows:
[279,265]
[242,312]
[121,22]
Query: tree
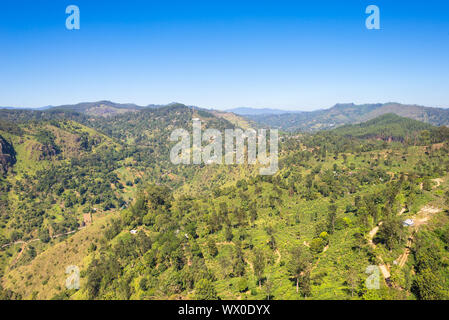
[391,232]
[253,212]
[268,286]
[228,233]
[205,290]
[223,210]
[300,261]
[238,262]
[352,279]
[242,285]
[306,288]
[331,218]
[317,245]
[446,198]
[44,235]
[427,185]
[357,202]
[258,265]
[213,251]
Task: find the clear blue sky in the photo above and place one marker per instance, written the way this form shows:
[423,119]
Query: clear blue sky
[224,53]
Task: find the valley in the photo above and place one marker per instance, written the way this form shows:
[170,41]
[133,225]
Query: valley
[92,186]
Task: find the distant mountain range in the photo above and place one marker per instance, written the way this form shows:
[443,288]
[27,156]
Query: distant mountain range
[264,111]
[342,114]
[106,107]
[307,121]
[100,108]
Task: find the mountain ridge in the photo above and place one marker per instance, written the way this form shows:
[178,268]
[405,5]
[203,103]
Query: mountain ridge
[342,114]
[245,111]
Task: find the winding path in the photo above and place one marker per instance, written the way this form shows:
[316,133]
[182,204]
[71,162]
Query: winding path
[420,219]
[26,243]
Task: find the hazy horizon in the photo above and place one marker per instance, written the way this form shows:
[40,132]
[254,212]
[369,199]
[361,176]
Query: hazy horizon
[226,109]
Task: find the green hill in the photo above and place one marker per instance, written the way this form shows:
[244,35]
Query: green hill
[386,127]
[342,114]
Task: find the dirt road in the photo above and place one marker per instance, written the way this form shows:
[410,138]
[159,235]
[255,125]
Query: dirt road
[438,181]
[420,219]
[25,243]
[383,267]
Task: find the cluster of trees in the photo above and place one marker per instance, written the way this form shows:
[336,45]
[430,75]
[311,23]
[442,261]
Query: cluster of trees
[166,261]
[83,182]
[431,260]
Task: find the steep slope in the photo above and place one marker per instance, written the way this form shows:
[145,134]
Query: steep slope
[7,156]
[62,169]
[44,276]
[233,118]
[65,169]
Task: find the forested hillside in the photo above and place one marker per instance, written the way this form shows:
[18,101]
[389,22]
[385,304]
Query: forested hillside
[342,114]
[99,192]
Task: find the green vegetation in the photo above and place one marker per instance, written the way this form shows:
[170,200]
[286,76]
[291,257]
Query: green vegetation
[336,206]
[343,114]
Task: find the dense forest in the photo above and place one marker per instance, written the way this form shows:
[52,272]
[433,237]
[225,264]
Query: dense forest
[99,192]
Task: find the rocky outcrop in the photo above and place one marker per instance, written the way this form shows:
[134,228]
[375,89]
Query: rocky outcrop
[7,156]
